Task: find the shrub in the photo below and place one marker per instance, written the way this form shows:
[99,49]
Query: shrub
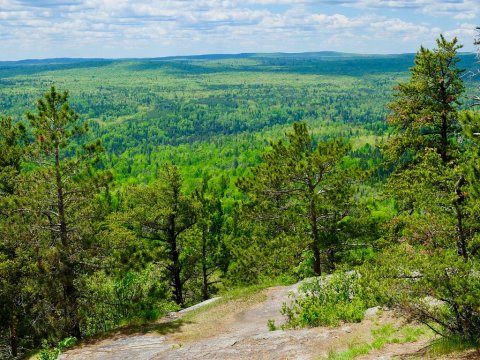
[327,301]
[48,353]
[437,288]
[271,325]
[134,296]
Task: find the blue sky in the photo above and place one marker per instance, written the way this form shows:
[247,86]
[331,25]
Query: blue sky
[151,28]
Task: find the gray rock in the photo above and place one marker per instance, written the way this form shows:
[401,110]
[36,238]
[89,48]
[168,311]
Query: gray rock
[369,313]
[197,306]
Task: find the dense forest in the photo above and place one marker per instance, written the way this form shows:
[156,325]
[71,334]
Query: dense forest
[151,185]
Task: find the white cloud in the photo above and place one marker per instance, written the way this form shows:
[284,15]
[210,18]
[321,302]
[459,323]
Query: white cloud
[464,31]
[465,16]
[167,27]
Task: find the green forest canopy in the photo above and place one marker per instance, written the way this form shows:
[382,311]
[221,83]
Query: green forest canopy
[160,182]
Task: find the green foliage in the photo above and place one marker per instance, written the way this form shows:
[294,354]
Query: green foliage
[424,114]
[12,152]
[61,193]
[17,295]
[436,287]
[384,335]
[301,189]
[48,353]
[80,255]
[327,301]
[206,115]
[432,260]
[452,344]
[136,295]
[352,352]
[210,231]
[271,325]
[160,214]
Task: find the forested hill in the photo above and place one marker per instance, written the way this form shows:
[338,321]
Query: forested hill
[325,62]
[218,110]
[133,188]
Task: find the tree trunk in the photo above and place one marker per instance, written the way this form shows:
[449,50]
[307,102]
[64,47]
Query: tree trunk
[72,327]
[176,268]
[461,240]
[444,137]
[204,267]
[317,266]
[178,292]
[13,337]
[331,259]
[175,273]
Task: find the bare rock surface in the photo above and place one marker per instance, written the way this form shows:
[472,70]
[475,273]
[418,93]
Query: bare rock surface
[229,330]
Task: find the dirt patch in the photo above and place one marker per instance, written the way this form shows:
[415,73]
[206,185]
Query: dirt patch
[217,320]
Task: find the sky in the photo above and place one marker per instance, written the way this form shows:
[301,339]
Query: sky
[154,28]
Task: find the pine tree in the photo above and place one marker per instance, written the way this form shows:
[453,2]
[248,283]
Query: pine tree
[301,188]
[160,213]
[62,191]
[435,233]
[425,111]
[15,259]
[210,224]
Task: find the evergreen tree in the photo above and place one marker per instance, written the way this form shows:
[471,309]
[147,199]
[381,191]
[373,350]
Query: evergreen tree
[434,252]
[160,213]
[425,117]
[16,263]
[301,188]
[210,225]
[61,191]
[425,111]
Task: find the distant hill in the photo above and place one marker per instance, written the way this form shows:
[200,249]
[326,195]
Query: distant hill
[324,62]
[186,109]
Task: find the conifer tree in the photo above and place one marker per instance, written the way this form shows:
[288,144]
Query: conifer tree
[15,259]
[425,117]
[301,188]
[425,110]
[210,224]
[62,190]
[160,213]
[435,233]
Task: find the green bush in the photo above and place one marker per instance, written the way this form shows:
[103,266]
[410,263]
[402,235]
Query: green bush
[132,297]
[435,287]
[48,353]
[327,301]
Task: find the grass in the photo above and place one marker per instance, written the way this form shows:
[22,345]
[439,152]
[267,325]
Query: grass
[450,345]
[351,353]
[382,336]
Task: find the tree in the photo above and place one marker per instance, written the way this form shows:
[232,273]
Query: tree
[425,111]
[210,224]
[160,213]
[301,188]
[61,190]
[433,258]
[15,260]
[425,116]
[12,151]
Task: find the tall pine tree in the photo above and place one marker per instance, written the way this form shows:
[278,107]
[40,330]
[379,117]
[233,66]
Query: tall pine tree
[62,190]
